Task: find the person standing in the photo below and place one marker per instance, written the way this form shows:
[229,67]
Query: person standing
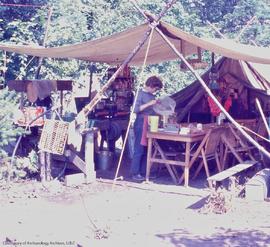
[143,107]
[219,94]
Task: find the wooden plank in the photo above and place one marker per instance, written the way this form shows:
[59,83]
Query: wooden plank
[231,171]
[192,137]
[169,162]
[76,160]
[20,85]
[149,155]
[89,156]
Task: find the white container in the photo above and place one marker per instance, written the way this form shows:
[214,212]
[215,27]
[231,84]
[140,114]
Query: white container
[184,131]
[257,188]
[199,126]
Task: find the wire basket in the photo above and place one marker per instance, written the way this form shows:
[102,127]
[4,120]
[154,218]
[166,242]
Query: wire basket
[54,136]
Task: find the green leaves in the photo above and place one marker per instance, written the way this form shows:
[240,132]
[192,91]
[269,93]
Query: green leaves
[81,20]
[8,131]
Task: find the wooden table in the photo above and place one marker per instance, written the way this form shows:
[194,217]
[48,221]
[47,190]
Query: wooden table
[188,139]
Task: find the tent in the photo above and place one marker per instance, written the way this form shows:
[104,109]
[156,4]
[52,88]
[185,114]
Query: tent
[115,49]
[251,80]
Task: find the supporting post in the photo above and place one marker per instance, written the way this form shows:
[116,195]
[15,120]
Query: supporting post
[90,173]
[153,25]
[44,42]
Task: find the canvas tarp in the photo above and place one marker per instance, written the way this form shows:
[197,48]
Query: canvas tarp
[114,49]
[251,80]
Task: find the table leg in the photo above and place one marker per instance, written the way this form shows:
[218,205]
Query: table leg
[171,169]
[187,157]
[149,155]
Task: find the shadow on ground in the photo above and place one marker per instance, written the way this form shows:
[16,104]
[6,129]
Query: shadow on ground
[161,173]
[223,237]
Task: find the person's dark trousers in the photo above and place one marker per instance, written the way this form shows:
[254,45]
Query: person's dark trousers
[138,165]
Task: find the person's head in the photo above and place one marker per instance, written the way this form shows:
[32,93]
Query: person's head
[154,83]
[215,88]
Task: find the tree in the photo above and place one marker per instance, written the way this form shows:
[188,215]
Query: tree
[82,20]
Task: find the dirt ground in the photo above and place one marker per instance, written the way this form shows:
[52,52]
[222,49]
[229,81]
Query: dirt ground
[126,214]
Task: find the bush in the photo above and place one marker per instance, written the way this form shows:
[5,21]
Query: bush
[8,131]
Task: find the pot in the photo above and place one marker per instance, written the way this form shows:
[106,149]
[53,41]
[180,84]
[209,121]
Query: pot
[104,160]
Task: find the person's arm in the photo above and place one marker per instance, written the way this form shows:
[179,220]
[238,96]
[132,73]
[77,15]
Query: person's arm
[140,106]
[148,104]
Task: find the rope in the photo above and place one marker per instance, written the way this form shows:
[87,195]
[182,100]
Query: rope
[256,134]
[132,111]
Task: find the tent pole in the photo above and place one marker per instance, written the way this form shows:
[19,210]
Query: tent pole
[132,110]
[204,85]
[246,26]
[213,59]
[237,125]
[135,98]
[40,60]
[89,107]
[221,34]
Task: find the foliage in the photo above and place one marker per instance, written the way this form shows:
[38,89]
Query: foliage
[21,167]
[82,20]
[25,166]
[8,131]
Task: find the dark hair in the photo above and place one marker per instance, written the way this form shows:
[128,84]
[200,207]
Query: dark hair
[154,81]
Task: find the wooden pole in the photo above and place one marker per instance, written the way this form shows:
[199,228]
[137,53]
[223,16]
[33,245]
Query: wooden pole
[245,27]
[263,116]
[204,85]
[44,42]
[214,27]
[136,95]
[89,107]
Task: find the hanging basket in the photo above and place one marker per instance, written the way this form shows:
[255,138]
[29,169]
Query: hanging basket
[54,136]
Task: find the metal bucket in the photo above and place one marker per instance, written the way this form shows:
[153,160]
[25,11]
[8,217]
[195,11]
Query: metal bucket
[104,160]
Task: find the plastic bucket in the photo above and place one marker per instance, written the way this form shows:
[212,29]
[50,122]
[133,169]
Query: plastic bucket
[153,122]
[104,160]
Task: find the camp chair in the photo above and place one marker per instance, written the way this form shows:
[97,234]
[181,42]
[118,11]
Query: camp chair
[236,144]
[209,150]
